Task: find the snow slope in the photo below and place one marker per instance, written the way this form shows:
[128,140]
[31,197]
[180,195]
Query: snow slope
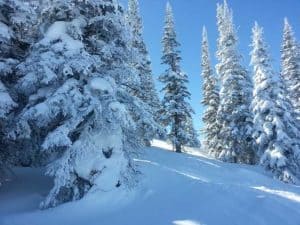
[176,189]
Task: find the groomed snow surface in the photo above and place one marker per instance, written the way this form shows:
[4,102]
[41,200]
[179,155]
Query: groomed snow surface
[175,189]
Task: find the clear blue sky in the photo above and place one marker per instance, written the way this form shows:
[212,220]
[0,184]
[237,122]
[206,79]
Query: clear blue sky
[191,15]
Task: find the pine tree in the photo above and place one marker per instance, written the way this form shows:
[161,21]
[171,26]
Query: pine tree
[77,107]
[192,135]
[275,129]
[6,101]
[142,63]
[234,113]
[146,89]
[211,99]
[17,33]
[176,109]
[7,60]
[290,64]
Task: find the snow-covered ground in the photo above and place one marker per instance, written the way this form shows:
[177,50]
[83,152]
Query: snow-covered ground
[175,189]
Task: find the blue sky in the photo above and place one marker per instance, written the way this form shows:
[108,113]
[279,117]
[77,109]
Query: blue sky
[191,15]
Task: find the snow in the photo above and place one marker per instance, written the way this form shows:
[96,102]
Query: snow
[58,31]
[6,102]
[92,159]
[284,194]
[102,85]
[5,31]
[175,189]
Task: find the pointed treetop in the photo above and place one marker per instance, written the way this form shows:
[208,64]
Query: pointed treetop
[205,50]
[260,48]
[204,33]
[169,30]
[226,9]
[225,17]
[169,11]
[287,27]
[169,7]
[257,30]
[286,22]
[289,40]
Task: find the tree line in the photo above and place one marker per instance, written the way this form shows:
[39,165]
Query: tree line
[252,117]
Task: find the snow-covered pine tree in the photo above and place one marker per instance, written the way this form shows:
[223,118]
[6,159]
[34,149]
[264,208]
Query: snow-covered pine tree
[6,101]
[17,33]
[290,66]
[141,62]
[176,110]
[275,130]
[192,134]
[234,113]
[78,110]
[210,100]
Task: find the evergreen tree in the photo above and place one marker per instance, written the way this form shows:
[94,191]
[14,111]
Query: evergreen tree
[146,89]
[234,113]
[6,101]
[17,33]
[77,107]
[192,135]
[142,63]
[176,110]
[210,100]
[290,64]
[275,129]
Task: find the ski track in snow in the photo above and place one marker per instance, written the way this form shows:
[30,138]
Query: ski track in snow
[175,189]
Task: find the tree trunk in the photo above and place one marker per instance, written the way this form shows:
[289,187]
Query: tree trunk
[177,145]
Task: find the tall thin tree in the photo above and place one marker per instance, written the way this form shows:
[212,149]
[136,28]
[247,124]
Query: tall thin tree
[145,88]
[290,66]
[234,113]
[141,60]
[210,100]
[176,109]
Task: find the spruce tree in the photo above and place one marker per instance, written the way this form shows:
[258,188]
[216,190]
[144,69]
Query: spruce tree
[290,66]
[77,103]
[176,110]
[145,90]
[234,113]
[142,61]
[6,101]
[18,30]
[275,133]
[192,134]
[210,100]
